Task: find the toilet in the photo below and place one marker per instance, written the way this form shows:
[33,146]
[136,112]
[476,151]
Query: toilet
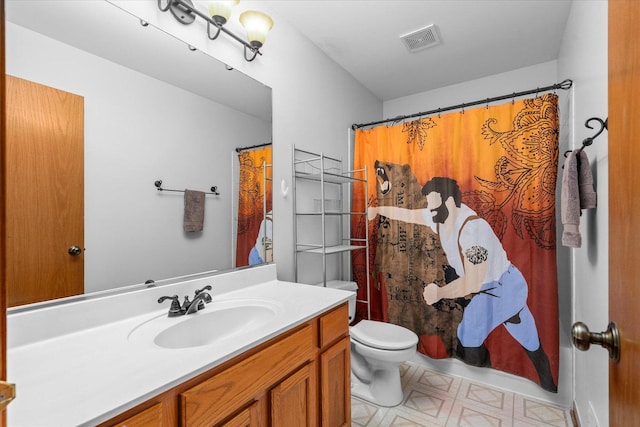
[377,351]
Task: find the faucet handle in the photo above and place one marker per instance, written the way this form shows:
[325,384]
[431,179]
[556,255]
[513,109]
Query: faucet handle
[175,309]
[206,299]
[185,304]
[206,288]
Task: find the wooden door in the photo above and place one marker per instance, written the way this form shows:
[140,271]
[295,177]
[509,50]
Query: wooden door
[44,192]
[293,401]
[624,211]
[3,299]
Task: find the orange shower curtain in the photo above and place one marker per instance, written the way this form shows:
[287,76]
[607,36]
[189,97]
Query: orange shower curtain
[254,237]
[475,279]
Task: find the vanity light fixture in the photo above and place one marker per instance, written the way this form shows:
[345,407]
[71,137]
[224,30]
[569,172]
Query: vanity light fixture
[256,23]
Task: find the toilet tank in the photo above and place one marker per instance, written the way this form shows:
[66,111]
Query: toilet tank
[346,286]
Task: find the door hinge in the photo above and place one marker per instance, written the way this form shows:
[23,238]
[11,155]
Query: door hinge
[7,394]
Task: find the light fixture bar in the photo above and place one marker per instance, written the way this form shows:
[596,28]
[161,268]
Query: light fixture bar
[188,7]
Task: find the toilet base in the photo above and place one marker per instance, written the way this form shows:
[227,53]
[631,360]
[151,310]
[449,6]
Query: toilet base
[384,389]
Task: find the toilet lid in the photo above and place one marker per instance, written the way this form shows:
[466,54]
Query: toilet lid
[382,335]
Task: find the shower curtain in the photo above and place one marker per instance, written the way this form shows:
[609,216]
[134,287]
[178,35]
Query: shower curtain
[255,237]
[461,218]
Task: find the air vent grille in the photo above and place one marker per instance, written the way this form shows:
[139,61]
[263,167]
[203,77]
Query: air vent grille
[421,39]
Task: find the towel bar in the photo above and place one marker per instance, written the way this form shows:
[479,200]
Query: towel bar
[158,184]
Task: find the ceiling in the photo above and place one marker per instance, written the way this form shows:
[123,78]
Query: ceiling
[478,38]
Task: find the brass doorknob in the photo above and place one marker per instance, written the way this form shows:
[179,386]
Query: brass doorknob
[75,250]
[610,339]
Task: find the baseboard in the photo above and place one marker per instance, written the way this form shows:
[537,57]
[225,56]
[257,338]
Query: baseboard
[575,418]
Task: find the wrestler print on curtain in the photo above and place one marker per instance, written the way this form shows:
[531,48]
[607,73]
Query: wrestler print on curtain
[254,244]
[461,221]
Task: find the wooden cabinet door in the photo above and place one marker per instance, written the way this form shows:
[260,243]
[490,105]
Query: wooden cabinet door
[215,399]
[294,401]
[151,417]
[335,385]
[249,417]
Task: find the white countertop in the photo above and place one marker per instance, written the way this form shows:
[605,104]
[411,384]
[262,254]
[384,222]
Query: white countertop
[88,375]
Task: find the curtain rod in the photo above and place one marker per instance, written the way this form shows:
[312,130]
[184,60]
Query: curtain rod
[239,149]
[565,85]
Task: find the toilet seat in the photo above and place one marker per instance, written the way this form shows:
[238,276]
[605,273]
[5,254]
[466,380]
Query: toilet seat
[381,335]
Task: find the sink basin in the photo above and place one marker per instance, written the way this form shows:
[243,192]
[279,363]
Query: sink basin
[217,322]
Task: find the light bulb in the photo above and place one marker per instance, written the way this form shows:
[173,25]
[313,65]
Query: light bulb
[220,11]
[257,25]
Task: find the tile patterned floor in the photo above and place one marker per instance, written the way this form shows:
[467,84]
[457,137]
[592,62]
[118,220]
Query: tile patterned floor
[432,398]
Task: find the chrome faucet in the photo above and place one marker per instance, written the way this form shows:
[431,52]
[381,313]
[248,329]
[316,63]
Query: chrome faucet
[188,307]
[199,300]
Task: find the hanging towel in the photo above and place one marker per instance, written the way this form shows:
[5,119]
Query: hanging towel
[588,197]
[193,210]
[577,193]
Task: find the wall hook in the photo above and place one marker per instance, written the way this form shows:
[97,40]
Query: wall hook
[604,124]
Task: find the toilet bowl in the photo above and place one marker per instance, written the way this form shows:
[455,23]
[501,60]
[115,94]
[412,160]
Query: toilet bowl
[377,351]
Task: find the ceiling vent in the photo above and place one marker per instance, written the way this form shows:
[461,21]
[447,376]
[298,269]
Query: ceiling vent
[421,39]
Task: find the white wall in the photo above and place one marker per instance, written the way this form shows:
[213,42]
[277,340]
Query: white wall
[514,81]
[314,100]
[583,58]
[139,130]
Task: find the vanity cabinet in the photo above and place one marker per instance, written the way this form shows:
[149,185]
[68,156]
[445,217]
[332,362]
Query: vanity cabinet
[299,378]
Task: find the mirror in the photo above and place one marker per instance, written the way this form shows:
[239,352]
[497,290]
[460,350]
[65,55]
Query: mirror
[153,110]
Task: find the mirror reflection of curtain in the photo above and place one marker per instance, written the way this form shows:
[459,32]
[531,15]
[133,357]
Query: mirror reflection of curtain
[255,219]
